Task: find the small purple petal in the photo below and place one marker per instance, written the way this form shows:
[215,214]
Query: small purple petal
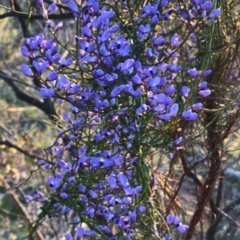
[178,141]
[25,52]
[169,219]
[197,106]
[52,76]
[46,93]
[193,72]
[206,73]
[28,198]
[185,91]
[215,13]
[64,195]
[189,115]
[206,5]
[68,236]
[40,3]
[204,93]
[174,110]
[202,85]
[27,71]
[182,228]
[73,6]
[176,220]
[170,89]
[142,209]
[59,26]
[52,7]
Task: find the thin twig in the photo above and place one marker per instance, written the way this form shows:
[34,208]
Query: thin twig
[21,206]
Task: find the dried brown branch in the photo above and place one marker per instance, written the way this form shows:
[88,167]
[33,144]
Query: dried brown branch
[19,149]
[43,106]
[20,205]
[36,16]
[214,147]
[228,217]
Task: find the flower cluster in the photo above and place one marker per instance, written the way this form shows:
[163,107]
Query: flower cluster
[123,83]
[175,220]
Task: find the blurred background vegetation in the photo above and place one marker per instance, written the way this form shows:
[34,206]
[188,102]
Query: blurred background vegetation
[211,146]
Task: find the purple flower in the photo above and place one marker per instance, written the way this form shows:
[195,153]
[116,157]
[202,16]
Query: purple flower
[86,32]
[40,65]
[204,93]
[202,85]
[40,3]
[159,108]
[175,40]
[185,91]
[182,228]
[57,205]
[136,190]
[165,117]
[81,232]
[71,179]
[117,91]
[114,29]
[52,8]
[81,188]
[49,24]
[138,66]
[189,115]
[123,180]
[28,198]
[158,41]
[168,236]
[64,195]
[144,29]
[104,229]
[65,210]
[127,200]
[63,81]
[206,73]
[52,76]
[112,182]
[170,89]
[59,26]
[193,36]
[206,5]
[41,162]
[25,52]
[215,13]
[53,183]
[174,110]
[27,71]
[136,79]
[176,220]
[197,106]
[169,219]
[46,92]
[93,194]
[160,97]
[128,64]
[64,63]
[153,82]
[73,6]
[68,236]
[193,72]
[142,209]
[155,19]
[34,42]
[178,141]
